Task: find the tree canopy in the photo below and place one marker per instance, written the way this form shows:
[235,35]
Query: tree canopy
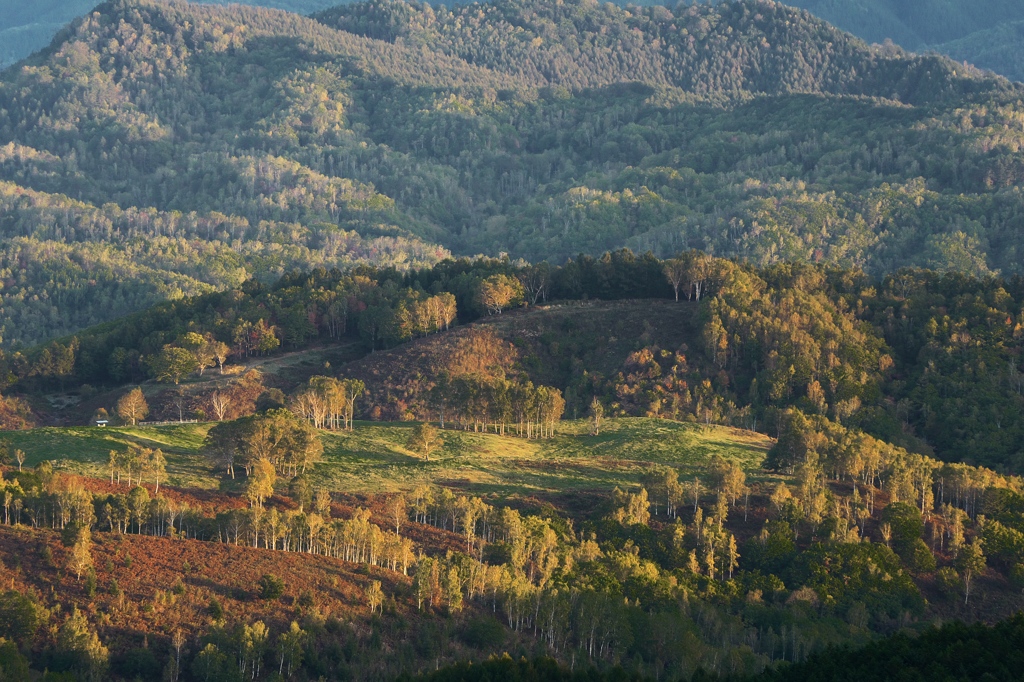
[160,150]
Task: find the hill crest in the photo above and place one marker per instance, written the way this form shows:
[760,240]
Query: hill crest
[708,51]
[238,142]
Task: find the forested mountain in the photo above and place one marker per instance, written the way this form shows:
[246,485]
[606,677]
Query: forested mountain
[999,48]
[714,53]
[190,147]
[987,33]
[27,27]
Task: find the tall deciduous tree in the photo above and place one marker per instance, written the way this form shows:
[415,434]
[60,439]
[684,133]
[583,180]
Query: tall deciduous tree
[220,402]
[132,406]
[261,482]
[398,507]
[970,562]
[157,467]
[173,364]
[699,268]
[499,292]
[80,557]
[254,647]
[535,280]
[447,309]
[374,596]
[676,272]
[424,440]
[354,389]
[596,416]
[220,352]
[289,649]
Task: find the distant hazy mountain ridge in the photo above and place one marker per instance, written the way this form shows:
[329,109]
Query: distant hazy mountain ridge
[982,33]
[721,52]
[30,26]
[987,33]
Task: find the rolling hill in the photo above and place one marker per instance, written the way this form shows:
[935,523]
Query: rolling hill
[254,142]
[382,459]
[924,360]
[985,33]
[27,28]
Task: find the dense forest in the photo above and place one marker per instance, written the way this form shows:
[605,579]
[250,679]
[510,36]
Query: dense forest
[986,33]
[26,28]
[774,432]
[952,652]
[924,360]
[188,148]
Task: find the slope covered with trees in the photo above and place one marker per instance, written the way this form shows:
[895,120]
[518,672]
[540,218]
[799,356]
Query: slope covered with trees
[663,549]
[674,545]
[26,28]
[953,652]
[191,147]
[718,52]
[986,33]
[926,361]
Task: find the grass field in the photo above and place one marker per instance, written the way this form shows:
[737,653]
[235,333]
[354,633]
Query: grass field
[373,457]
[84,449]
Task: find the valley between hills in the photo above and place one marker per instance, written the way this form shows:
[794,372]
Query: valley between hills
[516,341]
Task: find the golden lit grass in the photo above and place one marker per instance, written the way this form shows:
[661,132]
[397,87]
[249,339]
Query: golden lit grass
[373,457]
[84,449]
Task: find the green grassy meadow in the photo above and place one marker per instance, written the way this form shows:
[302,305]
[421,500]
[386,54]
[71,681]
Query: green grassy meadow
[373,457]
[84,449]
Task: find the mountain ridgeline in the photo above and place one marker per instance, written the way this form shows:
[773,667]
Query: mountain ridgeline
[187,148]
[987,33]
[28,27]
[720,53]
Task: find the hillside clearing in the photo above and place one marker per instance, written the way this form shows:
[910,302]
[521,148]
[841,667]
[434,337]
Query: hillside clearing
[373,457]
